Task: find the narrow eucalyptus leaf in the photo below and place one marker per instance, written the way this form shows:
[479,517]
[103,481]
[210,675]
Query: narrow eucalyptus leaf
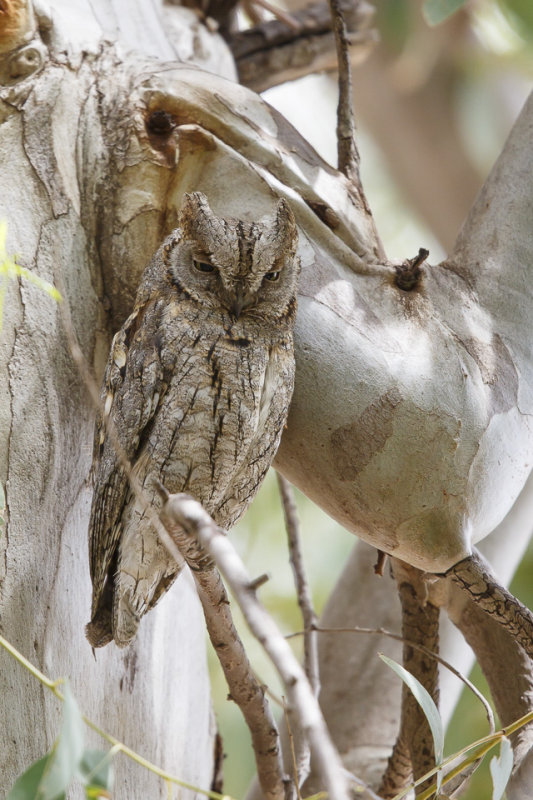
[426,703]
[436,11]
[501,768]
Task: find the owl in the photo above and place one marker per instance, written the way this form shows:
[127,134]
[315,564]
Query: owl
[197,388]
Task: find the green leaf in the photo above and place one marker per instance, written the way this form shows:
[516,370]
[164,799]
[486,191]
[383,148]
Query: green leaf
[425,701]
[27,785]
[67,752]
[96,772]
[501,768]
[436,11]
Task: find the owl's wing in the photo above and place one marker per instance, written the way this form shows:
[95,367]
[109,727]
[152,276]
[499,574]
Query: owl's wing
[133,385]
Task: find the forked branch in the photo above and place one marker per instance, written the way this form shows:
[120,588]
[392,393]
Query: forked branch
[182,510]
[244,687]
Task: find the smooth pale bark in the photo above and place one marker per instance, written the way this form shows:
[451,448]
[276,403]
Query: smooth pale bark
[155,695]
[410,422]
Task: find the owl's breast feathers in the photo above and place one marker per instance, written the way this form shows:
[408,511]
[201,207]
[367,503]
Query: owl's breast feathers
[196,406]
[216,433]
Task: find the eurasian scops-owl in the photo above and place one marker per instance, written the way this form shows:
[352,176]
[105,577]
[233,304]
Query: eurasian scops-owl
[197,386]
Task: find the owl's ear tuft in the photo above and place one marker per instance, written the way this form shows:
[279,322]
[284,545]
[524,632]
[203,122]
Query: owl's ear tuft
[285,226]
[194,200]
[195,215]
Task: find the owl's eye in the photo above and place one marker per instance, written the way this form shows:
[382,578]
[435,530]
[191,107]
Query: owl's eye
[272,276]
[203,266]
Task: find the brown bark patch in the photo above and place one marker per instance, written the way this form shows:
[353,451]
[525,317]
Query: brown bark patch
[356,444]
[498,371]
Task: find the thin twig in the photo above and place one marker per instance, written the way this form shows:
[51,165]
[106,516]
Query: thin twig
[305,599]
[347,153]
[301,751]
[292,749]
[398,638]
[279,13]
[191,516]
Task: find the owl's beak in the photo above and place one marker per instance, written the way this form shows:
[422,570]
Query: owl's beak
[238,303]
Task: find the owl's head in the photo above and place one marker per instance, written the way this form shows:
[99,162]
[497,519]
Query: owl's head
[247,268]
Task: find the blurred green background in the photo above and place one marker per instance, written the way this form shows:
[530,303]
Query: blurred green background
[433,108]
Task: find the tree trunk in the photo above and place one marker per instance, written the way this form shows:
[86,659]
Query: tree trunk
[66,197]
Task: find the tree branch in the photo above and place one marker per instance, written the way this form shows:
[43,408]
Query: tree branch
[474,577]
[185,512]
[347,153]
[244,687]
[420,623]
[305,600]
[298,740]
[275,51]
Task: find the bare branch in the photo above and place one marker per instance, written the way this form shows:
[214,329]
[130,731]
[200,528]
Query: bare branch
[347,153]
[474,576]
[299,743]
[279,13]
[244,687]
[189,514]
[420,623]
[305,600]
[295,759]
[277,51]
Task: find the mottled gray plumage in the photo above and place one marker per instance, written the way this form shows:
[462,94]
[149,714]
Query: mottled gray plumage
[197,386]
